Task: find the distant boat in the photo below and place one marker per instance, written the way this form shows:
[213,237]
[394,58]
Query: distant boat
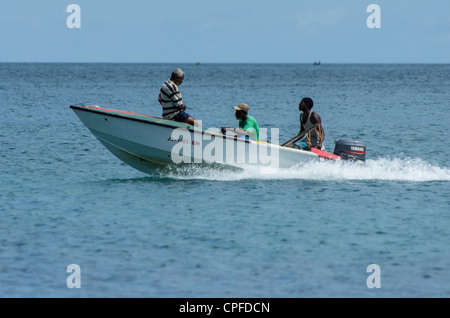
[316,63]
[197,63]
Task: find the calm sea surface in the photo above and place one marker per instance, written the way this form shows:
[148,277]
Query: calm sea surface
[309,231]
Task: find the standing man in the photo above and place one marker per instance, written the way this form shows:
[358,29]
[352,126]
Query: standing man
[315,137]
[248,127]
[171,100]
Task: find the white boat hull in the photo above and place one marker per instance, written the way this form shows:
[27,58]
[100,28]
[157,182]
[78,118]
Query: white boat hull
[144,142]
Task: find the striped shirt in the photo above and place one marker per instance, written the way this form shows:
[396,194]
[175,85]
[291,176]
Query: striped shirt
[170,98]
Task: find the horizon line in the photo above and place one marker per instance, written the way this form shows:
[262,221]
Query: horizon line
[200,63]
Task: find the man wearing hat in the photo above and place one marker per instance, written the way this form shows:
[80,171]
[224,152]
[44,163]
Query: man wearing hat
[248,127]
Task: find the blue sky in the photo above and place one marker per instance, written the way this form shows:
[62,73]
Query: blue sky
[247,31]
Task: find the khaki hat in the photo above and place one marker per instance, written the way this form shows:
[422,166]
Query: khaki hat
[242,106]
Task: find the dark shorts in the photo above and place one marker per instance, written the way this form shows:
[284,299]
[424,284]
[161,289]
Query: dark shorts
[181,117]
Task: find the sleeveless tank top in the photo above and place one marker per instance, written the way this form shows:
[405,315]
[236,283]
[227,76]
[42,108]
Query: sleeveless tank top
[314,136]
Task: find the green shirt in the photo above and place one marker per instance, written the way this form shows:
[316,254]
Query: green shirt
[251,126]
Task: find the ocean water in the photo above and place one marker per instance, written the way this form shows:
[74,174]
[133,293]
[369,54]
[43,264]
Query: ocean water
[308,231]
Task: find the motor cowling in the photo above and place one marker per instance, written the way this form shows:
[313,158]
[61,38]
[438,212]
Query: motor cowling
[350,149]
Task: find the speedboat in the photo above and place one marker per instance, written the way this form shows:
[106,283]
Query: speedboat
[145,142]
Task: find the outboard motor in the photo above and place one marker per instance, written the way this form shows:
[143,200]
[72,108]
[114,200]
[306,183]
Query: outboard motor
[350,150]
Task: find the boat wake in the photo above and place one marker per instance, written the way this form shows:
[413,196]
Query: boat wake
[382,169]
